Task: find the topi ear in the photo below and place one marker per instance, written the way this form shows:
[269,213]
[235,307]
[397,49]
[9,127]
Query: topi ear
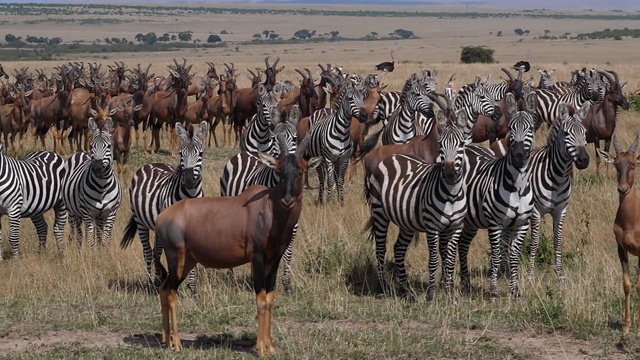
[314,162]
[512,105]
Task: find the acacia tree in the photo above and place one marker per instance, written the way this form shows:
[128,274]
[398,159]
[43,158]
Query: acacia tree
[213,38]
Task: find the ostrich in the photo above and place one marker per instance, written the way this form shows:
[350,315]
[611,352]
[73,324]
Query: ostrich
[387,66]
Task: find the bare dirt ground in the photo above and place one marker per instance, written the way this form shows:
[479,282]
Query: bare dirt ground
[538,346]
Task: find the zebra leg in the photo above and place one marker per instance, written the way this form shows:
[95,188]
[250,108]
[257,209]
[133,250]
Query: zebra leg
[41,229]
[60,212]
[14,230]
[517,238]
[341,168]
[107,228]
[495,240]
[75,233]
[330,181]
[449,239]
[321,170]
[99,227]
[379,230]
[399,253]
[535,240]
[432,243]
[191,282]
[288,258]
[89,227]
[147,252]
[558,222]
[466,237]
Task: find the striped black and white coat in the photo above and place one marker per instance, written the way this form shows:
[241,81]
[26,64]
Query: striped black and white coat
[500,196]
[91,190]
[156,186]
[590,88]
[331,139]
[29,187]
[474,100]
[551,179]
[258,136]
[414,100]
[421,197]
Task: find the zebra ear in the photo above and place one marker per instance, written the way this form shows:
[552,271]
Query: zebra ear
[584,110]
[93,127]
[268,160]
[512,105]
[203,128]
[181,132]
[434,73]
[532,102]
[441,120]
[294,114]
[478,81]
[461,118]
[563,110]
[93,113]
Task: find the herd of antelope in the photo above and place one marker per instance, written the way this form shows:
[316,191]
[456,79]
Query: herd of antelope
[426,177]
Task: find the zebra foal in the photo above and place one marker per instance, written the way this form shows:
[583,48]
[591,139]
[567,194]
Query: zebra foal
[91,190]
[156,186]
[29,187]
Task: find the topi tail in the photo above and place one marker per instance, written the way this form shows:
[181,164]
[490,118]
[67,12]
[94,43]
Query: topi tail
[369,144]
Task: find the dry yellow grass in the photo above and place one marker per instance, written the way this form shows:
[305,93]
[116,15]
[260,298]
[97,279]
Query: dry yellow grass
[91,302]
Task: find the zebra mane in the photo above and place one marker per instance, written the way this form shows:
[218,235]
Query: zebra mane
[405,90]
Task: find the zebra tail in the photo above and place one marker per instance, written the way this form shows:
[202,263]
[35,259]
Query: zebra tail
[129,233]
[369,144]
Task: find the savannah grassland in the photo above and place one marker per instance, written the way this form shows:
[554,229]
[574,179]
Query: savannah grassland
[92,303]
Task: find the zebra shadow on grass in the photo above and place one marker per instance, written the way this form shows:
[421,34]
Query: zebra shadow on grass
[244,343]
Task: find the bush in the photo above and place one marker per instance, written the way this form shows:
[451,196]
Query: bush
[634,101]
[476,54]
[213,39]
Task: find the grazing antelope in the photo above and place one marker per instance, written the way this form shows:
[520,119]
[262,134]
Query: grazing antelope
[626,226]
[254,227]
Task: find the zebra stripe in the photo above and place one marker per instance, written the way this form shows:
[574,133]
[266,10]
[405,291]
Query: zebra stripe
[551,178]
[500,198]
[420,197]
[388,103]
[475,100]
[91,191]
[29,187]
[548,108]
[258,136]
[331,138]
[156,186]
[402,125]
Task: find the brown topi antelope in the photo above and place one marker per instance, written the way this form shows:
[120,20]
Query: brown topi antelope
[14,118]
[224,232]
[220,109]
[601,120]
[50,111]
[244,106]
[626,226]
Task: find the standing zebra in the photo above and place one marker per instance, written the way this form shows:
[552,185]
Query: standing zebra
[156,186]
[475,100]
[29,187]
[421,197]
[500,197]
[389,102]
[258,136]
[551,179]
[91,190]
[548,101]
[331,138]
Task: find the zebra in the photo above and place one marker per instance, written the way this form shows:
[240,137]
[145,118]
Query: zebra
[30,187]
[258,136]
[548,108]
[474,99]
[246,169]
[389,102]
[156,186]
[546,81]
[91,190]
[421,197]
[500,198]
[331,138]
[551,179]
[402,125]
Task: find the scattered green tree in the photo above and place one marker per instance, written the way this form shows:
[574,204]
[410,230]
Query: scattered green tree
[173,37]
[519,31]
[304,34]
[213,38]
[476,54]
[184,36]
[546,32]
[499,33]
[334,34]
[266,33]
[405,34]
[273,36]
[9,38]
[55,41]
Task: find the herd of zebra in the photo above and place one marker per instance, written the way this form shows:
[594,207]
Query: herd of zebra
[425,177]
